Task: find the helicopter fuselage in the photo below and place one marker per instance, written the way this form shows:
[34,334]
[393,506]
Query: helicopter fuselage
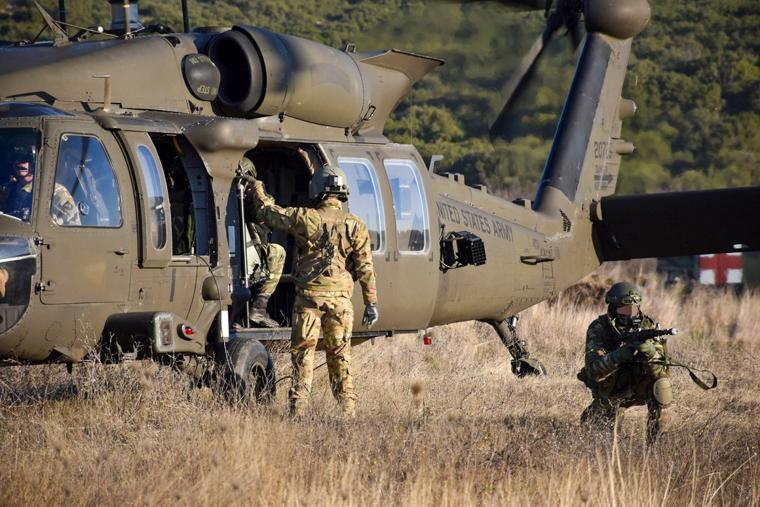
[151,260]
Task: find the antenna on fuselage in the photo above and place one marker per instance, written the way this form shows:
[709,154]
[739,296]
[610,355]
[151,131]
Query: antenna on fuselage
[60,37]
[185,17]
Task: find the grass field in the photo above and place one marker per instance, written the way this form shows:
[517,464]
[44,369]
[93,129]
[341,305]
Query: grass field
[445,424]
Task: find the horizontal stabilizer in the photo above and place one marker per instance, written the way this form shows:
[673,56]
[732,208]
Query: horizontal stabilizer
[678,223]
[413,65]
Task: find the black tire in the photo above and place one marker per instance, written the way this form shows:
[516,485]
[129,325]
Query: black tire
[247,372]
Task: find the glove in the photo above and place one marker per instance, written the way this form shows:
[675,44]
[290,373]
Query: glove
[647,349]
[370,315]
[258,189]
[247,177]
[622,355]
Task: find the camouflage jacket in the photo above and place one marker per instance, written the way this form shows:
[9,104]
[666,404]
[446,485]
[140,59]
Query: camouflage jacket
[63,209]
[602,338]
[347,233]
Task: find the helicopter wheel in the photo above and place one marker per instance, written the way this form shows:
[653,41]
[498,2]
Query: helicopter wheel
[247,372]
[527,366]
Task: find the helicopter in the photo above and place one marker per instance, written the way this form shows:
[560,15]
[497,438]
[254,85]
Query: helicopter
[132,242]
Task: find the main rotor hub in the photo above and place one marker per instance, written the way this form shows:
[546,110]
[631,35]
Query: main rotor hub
[621,19]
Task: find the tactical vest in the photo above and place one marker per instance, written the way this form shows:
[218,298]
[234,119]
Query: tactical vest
[322,263]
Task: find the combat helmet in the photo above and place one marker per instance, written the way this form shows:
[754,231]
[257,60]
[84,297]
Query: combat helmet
[24,155]
[328,180]
[246,167]
[623,293]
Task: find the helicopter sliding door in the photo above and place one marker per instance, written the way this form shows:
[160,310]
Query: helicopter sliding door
[391,199]
[86,216]
[179,209]
[415,269]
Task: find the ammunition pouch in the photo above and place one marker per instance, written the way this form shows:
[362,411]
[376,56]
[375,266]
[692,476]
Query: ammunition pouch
[327,249]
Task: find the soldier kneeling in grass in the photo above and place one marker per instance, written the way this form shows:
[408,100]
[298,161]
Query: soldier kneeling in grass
[626,364]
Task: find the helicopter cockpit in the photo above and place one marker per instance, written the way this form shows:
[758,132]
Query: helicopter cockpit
[18,155]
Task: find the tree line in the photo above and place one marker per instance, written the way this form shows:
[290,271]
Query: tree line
[694,74]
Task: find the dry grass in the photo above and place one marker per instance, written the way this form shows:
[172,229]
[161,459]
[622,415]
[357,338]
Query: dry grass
[445,424]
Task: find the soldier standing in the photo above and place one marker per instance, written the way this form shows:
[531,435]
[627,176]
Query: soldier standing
[621,374]
[328,239]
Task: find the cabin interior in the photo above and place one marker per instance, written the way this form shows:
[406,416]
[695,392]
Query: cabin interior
[286,177]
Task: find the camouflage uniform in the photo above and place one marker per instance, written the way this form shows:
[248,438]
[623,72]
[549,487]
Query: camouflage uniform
[4,276]
[616,384]
[266,260]
[274,254]
[323,301]
[181,206]
[63,209]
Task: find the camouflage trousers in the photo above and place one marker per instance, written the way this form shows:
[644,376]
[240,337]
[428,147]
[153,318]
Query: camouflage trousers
[333,314]
[275,263]
[275,257]
[632,385]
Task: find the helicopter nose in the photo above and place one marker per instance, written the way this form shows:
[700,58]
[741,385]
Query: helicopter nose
[17,267]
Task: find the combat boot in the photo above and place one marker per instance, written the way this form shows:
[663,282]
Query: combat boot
[258,312]
[657,423]
[297,409]
[347,409]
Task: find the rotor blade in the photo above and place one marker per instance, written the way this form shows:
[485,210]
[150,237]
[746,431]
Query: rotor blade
[577,32]
[521,5]
[519,78]
[526,4]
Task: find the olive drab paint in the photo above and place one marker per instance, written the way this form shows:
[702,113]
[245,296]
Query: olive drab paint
[123,282]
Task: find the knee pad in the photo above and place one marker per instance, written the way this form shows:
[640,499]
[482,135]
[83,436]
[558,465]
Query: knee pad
[663,391]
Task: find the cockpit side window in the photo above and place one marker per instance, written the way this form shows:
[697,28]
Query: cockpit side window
[155,196]
[19,150]
[86,192]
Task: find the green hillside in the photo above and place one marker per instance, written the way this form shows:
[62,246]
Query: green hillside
[695,75]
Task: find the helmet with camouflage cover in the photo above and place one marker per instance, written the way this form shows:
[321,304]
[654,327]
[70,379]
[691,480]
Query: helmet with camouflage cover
[328,180]
[623,293]
[246,167]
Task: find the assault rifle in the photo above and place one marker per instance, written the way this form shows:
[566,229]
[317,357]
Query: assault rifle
[634,338]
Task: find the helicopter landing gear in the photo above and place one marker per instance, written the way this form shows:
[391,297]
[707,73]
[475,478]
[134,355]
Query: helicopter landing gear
[522,364]
[247,372]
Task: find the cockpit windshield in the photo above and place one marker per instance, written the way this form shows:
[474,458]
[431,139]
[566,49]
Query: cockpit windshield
[19,150]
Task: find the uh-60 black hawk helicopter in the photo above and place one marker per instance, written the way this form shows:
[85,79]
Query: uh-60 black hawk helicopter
[137,134]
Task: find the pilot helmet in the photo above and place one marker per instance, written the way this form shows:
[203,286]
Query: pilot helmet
[328,180]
